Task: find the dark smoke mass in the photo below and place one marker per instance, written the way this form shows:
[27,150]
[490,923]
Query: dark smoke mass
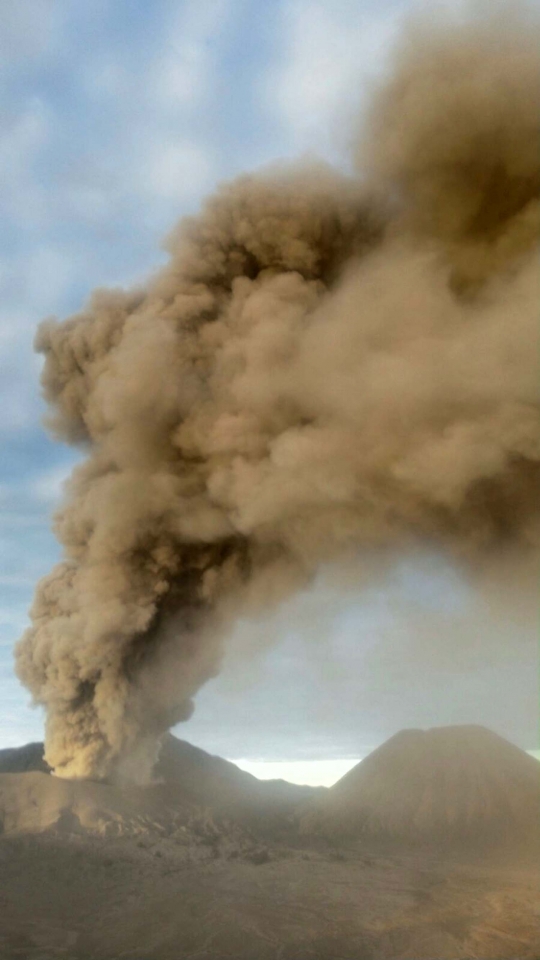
[327,364]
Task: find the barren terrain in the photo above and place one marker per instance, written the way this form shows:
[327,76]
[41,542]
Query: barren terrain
[92,871]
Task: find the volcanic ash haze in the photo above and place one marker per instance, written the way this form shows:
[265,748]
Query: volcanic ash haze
[316,371]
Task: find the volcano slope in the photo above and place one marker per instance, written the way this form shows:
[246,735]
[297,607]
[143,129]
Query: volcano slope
[207,862]
[445,786]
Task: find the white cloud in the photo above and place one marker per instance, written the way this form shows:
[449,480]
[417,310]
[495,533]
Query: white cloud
[182,75]
[144,174]
[175,169]
[180,79]
[48,273]
[157,155]
[10,616]
[22,137]
[46,487]
[332,49]
[179,74]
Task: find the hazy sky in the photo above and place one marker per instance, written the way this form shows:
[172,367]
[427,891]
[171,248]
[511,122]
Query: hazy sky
[117,116]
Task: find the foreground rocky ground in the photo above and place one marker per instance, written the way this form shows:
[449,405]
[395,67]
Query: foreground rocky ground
[84,898]
[209,864]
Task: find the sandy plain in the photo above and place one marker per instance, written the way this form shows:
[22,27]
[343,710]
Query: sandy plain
[98,872]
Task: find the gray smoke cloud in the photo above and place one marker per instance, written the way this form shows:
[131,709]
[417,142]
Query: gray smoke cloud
[327,364]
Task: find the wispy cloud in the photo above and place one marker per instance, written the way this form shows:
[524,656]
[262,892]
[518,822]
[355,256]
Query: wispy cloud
[328,53]
[184,75]
[46,487]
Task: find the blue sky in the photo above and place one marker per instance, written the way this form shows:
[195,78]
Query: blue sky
[117,117]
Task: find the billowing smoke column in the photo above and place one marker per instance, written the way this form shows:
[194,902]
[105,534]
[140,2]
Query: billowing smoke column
[316,371]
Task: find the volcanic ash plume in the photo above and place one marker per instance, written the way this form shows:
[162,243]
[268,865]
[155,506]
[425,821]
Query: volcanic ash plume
[315,372]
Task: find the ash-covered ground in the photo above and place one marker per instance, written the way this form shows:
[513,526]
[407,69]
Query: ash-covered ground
[210,863]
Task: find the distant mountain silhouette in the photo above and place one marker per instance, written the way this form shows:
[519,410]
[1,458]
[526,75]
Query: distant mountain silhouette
[442,784]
